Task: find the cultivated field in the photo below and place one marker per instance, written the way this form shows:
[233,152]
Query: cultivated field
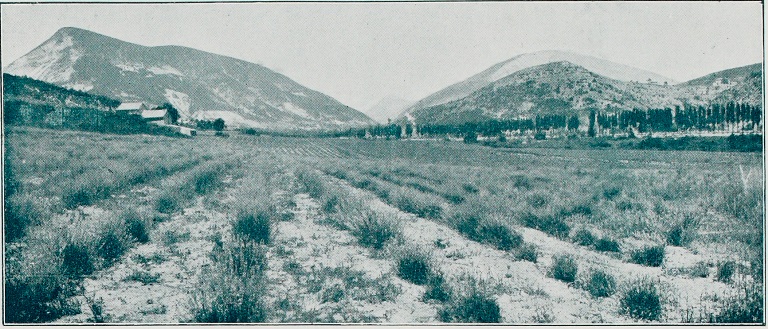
[147,229]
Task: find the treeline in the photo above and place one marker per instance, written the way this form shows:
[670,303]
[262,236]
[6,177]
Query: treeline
[716,117]
[217,125]
[16,112]
[36,103]
[486,128]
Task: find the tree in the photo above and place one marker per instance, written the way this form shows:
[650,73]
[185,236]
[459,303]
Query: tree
[591,130]
[172,112]
[573,123]
[219,124]
[470,137]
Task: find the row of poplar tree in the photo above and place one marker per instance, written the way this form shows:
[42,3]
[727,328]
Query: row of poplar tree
[715,117]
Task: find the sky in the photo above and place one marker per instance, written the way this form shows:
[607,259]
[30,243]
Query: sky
[360,53]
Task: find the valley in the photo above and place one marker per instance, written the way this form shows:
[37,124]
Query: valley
[160,184]
[328,230]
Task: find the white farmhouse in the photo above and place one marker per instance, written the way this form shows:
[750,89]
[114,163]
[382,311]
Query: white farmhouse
[131,108]
[158,116]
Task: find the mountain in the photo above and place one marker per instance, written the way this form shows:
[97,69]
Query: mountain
[387,108]
[565,88]
[200,85]
[741,85]
[737,73]
[600,66]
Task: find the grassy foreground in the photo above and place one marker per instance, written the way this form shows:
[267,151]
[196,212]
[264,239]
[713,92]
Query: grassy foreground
[632,232]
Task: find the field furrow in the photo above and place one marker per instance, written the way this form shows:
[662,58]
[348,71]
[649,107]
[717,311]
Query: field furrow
[319,274]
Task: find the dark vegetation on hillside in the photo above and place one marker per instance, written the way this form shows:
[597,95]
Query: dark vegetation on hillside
[31,102]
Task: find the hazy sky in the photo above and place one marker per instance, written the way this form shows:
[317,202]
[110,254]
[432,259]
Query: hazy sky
[361,52]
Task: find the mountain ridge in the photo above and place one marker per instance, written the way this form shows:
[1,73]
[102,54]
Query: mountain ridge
[200,84]
[527,60]
[565,88]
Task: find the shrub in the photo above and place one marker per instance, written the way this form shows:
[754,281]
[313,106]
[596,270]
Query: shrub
[37,299]
[167,203]
[143,277]
[528,252]
[431,211]
[649,256]
[641,300]
[111,247]
[479,229]
[745,307]
[313,184]
[414,266]
[437,289]
[454,198]
[76,260]
[332,294]
[538,200]
[362,184]
[229,301]
[583,237]
[522,182]
[725,271]
[564,268]
[626,205]
[467,224]
[331,204]
[600,284]
[499,236]
[611,192]
[85,191]
[136,227]
[206,180]
[607,244]
[374,231]
[552,225]
[475,308]
[684,232]
[700,270]
[584,209]
[470,188]
[253,226]
[20,212]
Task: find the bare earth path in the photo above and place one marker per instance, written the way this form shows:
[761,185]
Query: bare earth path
[319,257]
[177,251]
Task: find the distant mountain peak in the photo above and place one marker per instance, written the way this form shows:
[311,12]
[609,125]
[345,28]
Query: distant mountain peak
[387,108]
[564,88]
[201,85]
[523,61]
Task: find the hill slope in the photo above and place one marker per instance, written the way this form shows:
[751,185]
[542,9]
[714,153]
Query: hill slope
[741,85]
[565,88]
[200,84]
[524,61]
[31,102]
[39,93]
[561,88]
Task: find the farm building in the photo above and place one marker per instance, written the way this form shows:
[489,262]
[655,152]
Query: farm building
[183,130]
[157,116]
[131,108]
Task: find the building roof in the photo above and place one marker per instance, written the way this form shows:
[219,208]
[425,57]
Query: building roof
[130,106]
[153,114]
